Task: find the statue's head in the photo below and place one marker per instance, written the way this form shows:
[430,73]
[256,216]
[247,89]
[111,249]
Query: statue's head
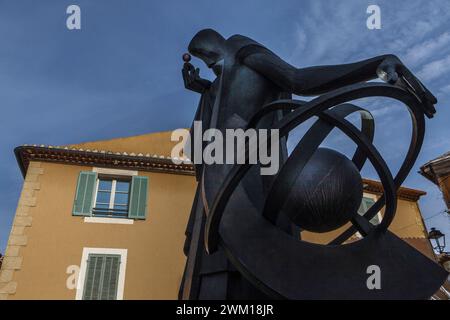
[207,45]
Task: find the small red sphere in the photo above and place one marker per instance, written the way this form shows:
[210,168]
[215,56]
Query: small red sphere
[186,57]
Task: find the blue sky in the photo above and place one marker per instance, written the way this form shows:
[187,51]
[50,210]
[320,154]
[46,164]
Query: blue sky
[120,74]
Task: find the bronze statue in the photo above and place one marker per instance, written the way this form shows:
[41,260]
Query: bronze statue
[252,224]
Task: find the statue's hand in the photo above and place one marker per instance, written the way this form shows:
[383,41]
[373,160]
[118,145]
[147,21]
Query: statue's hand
[192,80]
[393,71]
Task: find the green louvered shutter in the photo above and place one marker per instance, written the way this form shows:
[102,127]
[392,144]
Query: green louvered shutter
[365,206]
[138,198]
[102,277]
[84,196]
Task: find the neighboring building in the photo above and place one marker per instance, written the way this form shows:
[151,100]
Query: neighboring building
[116,210]
[438,172]
[408,222]
[125,228]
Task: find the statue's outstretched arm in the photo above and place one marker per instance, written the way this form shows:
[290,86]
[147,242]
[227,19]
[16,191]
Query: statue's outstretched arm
[320,79]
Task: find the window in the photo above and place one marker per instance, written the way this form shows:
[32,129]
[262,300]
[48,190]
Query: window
[102,274]
[365,206]
[112,198]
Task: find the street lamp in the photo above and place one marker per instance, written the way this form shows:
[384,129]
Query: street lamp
[439,239]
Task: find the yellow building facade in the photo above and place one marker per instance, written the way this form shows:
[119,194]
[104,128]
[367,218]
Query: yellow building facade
[107,220]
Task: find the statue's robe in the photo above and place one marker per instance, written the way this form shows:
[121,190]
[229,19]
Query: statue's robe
[231,101]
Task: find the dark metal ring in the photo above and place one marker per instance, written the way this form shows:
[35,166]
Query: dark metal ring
[319,107]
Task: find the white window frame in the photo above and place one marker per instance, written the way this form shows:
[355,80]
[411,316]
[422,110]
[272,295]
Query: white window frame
[115,172]
[108,220]
[83,268]
[113,191]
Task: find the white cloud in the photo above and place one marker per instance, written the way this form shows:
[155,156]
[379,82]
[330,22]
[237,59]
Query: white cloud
[300,40]
[443,93]
[424,50]
[435,69]
[382,111]
[338,33]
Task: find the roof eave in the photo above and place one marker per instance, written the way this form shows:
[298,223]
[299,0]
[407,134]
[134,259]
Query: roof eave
[25,154]
[20,160]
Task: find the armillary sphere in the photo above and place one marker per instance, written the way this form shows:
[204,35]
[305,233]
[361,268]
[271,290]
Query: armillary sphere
[284,266]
